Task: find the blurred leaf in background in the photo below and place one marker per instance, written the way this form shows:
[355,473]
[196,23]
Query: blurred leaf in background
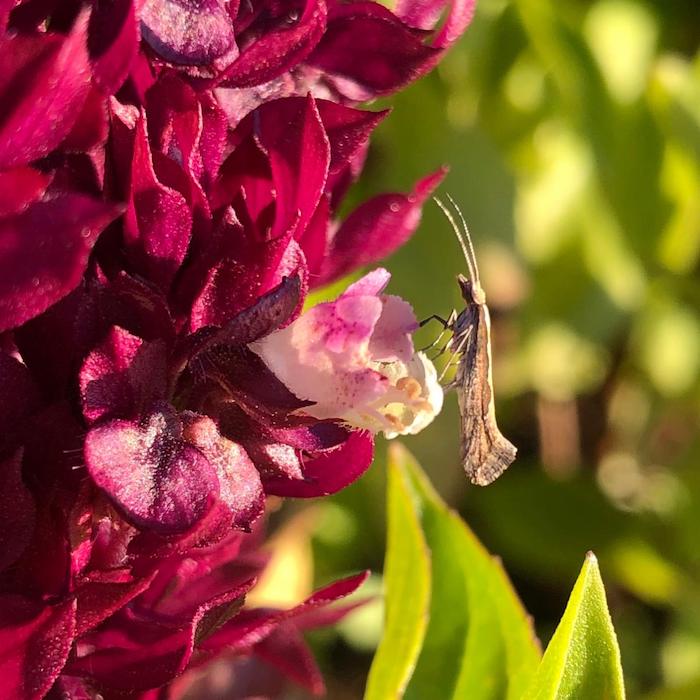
[572,132]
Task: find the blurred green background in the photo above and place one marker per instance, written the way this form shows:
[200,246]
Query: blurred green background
[572,133]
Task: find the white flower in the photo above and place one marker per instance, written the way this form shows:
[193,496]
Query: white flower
[354,358]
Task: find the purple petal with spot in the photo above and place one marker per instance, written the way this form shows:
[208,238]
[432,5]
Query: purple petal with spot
[44,251]
[159,481]
[240,489]
[188,32]
[376,229]
[44,80]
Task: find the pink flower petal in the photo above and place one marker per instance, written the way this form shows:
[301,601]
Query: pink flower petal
[35,640]
[158,223]
[291,133]
[122,376]
[391,339]
[20,187]
[113,41]
[44,80]
[371,284]
[278,50]
[130,654]
[286,650]
[376,229]
[392,53]
[43,253]
[329,473]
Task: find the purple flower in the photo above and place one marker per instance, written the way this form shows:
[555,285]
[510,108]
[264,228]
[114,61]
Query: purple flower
[170,178]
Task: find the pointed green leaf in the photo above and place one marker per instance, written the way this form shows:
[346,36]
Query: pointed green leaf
[479,643]
[583,658]
[406,591]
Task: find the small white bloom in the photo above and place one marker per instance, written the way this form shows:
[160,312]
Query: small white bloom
[354,359]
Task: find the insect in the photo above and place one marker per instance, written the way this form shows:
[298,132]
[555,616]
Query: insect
[485,452]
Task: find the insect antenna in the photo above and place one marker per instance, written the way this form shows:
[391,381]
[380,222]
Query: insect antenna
[473,267]
[465,241]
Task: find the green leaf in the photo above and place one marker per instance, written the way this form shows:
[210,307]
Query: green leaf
[407,594]
[684,692]
[479,642]
[582,659]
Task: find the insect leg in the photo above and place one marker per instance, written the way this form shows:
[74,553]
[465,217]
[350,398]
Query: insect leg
[456,354]
[446,327]
[435,317]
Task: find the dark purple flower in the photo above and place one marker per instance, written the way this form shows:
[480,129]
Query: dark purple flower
[171,173]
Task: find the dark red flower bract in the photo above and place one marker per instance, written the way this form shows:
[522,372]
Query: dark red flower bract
[171,173]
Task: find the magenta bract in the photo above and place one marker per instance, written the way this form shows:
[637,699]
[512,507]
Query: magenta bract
[171,173]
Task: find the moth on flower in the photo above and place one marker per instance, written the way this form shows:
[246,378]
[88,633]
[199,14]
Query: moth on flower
[354,358]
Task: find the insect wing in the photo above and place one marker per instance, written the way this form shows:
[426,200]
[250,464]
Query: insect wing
[485,452]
